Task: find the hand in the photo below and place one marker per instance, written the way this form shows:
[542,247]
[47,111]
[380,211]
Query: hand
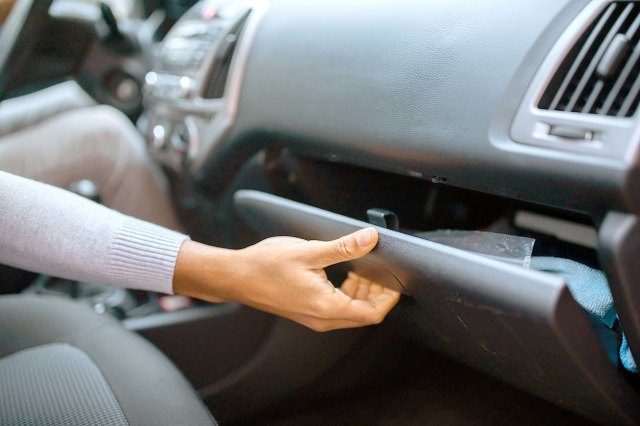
[285,276]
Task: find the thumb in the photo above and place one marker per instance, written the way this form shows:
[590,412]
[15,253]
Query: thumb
[348,247]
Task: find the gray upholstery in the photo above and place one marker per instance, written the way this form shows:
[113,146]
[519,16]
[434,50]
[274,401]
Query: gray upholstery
[57,385]
[148,388]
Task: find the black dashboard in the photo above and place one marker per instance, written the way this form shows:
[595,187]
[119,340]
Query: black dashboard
[514,105]
[423,90]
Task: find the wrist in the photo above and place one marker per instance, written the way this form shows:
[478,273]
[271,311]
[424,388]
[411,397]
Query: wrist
[204,272]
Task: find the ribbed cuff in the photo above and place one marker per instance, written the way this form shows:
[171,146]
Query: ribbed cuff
[143,256]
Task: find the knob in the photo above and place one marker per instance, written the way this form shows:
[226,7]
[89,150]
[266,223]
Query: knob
[126,90]
[180,139]
[186,87]
[158,136]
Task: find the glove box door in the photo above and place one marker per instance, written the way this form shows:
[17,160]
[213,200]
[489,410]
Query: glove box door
[519,325]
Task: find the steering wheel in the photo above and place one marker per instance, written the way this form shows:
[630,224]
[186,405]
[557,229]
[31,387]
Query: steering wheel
[18,36]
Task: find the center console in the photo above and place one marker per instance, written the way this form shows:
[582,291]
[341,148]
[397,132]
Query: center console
[191,93]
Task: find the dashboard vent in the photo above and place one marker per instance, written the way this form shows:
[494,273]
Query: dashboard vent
[217,78]
[600,73]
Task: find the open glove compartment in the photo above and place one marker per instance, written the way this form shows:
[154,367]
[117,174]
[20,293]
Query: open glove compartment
[519,325]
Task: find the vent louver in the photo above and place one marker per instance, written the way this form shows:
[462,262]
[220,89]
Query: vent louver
[219,72]
[600,73]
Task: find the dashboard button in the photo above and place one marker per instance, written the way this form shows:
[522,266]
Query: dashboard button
[159,136]
[187,86]
[572,133]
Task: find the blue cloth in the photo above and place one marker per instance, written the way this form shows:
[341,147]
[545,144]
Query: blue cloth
[626,357]
[589,287]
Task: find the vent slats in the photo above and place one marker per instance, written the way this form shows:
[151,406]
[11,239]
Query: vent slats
[600,73]
[592,98]
[616,91]
[593,61]
[219,71]
[633,29]
[630,98]
[581,57]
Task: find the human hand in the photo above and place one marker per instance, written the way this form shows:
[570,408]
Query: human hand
[285,276]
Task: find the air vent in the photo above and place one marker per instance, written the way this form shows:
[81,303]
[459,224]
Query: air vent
[600,74]
[217,78]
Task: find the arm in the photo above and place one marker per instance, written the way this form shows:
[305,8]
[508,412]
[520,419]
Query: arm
[285,276]
[52,231]
[5,8]
[55,232]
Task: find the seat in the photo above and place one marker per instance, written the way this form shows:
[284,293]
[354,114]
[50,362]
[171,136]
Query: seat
[63,364]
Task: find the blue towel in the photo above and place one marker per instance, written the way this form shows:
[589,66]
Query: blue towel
[589,287]
[626,357]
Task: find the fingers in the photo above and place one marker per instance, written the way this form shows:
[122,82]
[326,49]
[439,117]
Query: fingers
[348,247]
[359,302]
[357,287]
[370,302]
[363,290]
[350,285]
[360,313]
[375,308]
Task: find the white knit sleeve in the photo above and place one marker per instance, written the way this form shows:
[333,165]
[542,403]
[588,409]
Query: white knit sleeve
[52,231]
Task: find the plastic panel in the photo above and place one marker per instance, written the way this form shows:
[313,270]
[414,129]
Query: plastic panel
[614,136]
[522,326]
[429,93]
[619,241]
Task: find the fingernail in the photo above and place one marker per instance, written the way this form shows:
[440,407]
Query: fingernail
[365,237]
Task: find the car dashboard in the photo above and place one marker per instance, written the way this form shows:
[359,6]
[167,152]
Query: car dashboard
[515,117]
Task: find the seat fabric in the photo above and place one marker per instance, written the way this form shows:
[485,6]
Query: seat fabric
[58,385]
[58,354]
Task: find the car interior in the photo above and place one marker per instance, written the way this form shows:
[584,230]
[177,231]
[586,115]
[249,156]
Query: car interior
[480,138]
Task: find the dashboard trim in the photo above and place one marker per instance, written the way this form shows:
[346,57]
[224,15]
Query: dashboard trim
[614,138]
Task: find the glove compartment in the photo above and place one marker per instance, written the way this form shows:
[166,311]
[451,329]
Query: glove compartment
[519,325]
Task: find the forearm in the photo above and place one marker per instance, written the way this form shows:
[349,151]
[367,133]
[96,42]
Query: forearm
[203,271]
[5,8]
[52,231]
